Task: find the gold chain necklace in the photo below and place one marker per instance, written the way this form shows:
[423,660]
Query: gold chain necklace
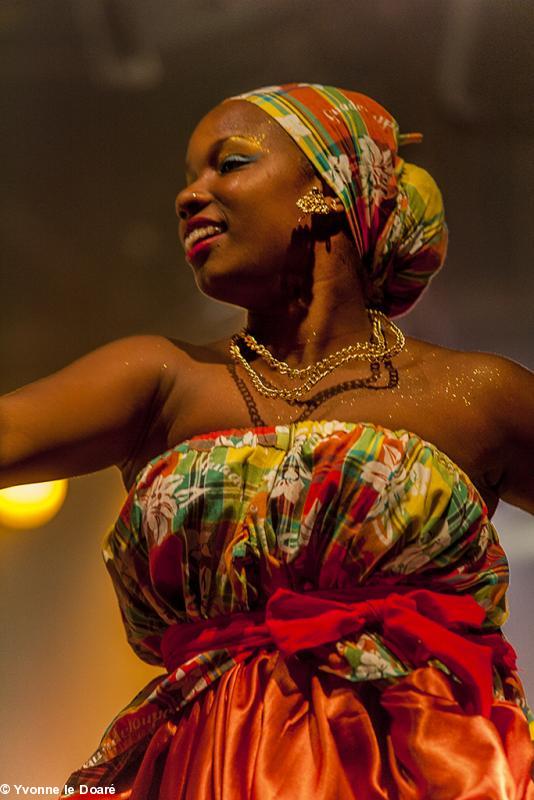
[312,403]
[360,350]
[377,350]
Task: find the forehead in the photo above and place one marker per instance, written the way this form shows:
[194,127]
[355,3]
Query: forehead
[237,118]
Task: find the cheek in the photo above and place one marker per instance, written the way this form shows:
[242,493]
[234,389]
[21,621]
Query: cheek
[272,226]
[275,209]
[271,191]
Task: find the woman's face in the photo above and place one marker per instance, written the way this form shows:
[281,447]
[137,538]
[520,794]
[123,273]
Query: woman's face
[238,213]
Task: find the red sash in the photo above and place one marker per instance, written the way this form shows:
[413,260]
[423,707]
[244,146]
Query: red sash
[417,624]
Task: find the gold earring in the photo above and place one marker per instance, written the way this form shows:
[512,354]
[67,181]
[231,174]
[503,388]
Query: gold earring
[314,202]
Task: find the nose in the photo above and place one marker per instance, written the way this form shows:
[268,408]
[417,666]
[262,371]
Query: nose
[189,202]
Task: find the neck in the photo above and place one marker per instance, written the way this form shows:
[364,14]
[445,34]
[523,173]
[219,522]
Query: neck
[314,323]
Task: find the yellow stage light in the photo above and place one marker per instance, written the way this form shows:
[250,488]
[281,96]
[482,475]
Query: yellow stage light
[31,505]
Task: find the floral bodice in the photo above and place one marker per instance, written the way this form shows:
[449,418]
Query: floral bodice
[218,523]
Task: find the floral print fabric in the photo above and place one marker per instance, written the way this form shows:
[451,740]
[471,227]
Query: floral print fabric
[217,524]
[394,208]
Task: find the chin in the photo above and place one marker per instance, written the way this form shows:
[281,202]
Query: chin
[222,284]
[234,286]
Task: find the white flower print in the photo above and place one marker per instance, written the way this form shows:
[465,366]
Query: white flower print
[308,521]
[372,666]
[332,427]
[410,560]
[294,126]
[223,441]
[483,539]
[377,474]
[340,172]
[383,528]
[483,542]
[292,542]
[380,473]
[413,237]
[396,233]
[161,501]
[159,505]
[393,453]
[389,476]
[394,493]
[417,555]
[443,538]
[415,240]
[289,485]
[420,477]
[391,488]
[288,480]
[376,167]
[250,439]
[247,439]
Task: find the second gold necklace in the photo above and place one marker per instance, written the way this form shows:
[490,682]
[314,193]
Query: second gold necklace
[375,351]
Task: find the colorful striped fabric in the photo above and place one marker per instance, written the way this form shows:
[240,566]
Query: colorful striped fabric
[394,208]
[219,523]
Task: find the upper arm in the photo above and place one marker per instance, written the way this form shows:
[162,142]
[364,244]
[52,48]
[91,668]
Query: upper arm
[85,417]
[511,398]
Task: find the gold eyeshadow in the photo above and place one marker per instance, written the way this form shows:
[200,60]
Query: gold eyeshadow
[222,145]
[256,141]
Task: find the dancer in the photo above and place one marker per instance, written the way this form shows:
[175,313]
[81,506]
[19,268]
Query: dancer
[306,546]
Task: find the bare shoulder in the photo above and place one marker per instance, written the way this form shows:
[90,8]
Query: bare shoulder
[486,402]
[172,366]
[502,386]
[206,353]
[172,358]
[487,372]
[186,362]
[510,410]
[489,382]
[186,384]
[92,413]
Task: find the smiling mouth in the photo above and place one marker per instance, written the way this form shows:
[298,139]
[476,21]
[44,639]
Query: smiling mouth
[201,236]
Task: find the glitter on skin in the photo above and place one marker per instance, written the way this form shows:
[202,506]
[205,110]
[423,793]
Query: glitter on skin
[416,389]
[256,140]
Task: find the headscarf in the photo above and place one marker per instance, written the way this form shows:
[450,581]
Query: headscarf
[394,209]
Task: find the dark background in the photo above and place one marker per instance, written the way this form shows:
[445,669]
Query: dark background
[98,100]
[100,96]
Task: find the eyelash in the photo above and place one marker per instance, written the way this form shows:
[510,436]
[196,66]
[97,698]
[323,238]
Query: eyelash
[237,160]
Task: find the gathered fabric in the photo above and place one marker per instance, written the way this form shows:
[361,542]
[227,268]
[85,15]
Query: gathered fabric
[325,600]
[420,625]
[394,208]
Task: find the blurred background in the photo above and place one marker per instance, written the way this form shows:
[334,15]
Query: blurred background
[99,98]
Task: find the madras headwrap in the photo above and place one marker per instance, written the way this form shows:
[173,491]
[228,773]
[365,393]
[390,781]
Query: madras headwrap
[394,208]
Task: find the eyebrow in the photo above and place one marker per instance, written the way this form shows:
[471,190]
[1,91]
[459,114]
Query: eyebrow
[216,146]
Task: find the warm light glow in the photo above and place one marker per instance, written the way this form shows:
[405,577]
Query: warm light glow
[31,505]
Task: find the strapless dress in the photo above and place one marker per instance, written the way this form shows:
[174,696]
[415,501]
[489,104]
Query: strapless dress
[325,599]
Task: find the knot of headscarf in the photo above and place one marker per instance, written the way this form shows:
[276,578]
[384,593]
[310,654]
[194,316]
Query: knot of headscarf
[394,209]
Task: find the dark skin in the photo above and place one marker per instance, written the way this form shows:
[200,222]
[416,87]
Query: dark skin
[300,283]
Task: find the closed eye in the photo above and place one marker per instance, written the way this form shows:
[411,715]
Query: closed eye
[234,161]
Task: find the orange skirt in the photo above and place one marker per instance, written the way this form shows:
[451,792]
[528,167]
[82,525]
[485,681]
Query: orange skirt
[279,728]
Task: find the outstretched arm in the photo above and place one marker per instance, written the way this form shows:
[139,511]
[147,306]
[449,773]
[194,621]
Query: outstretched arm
[90,415]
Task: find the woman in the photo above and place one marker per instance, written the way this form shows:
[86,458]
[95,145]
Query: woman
[328,542]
